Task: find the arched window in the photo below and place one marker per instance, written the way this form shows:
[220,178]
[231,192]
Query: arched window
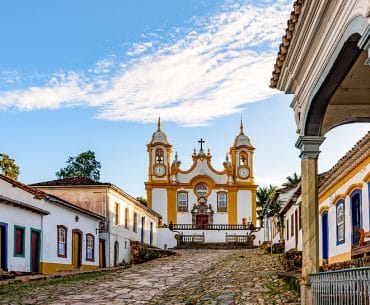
[62,241]
[182,201]
[159,155]
[90,241]
[243,158]
[221,202]
[340,223]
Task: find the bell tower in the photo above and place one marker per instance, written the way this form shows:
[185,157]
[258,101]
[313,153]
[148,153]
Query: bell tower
[242,158]
[159,156]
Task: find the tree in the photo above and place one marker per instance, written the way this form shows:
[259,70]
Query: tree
[84,165]
[8,167]
[142,200]
[292,181]
[264,197]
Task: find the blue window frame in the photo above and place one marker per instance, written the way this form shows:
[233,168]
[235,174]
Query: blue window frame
[340,220]
[356,215]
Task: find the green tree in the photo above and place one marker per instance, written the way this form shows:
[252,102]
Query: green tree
[264,197]
[142,200]
[8,167]
[292,181]
[84,165]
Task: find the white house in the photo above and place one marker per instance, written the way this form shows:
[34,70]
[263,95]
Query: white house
[126,219]
[43,233]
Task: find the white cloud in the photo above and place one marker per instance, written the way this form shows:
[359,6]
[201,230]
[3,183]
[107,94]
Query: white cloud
[222,63]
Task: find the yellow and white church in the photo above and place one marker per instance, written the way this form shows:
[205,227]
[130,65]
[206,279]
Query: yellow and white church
[201,196]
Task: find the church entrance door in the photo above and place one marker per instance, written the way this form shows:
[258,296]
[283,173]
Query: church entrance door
[201,220]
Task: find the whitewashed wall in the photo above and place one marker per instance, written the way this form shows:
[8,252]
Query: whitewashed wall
[12,216]
[244,205]
[335,249]
[159,202]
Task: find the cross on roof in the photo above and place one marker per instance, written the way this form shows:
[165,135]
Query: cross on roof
[201,141]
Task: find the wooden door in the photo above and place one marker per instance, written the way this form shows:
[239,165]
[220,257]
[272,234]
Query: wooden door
[35,251]
[325,235]
[296,228]
[76,249]
[201,220]
[3,247]
[102,253]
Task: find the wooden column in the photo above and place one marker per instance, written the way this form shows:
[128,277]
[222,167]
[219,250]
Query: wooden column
[309,146]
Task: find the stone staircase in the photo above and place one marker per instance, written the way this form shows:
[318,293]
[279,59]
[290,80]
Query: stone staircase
[216,246]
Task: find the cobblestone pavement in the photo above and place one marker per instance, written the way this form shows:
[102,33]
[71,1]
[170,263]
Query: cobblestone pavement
[204,277]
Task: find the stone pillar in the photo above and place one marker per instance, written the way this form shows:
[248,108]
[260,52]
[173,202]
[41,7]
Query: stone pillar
[309,146]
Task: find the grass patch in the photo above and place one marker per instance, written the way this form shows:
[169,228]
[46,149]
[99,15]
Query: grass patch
[23,288]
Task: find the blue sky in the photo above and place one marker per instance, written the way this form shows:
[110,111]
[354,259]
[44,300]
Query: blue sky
[78,75]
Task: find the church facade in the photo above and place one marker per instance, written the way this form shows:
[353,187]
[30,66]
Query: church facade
[202,196]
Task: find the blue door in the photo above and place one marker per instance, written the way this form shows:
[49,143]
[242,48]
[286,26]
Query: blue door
[356,216]
[325,235]
[3,246]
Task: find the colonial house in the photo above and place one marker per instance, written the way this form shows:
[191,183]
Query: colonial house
[126,219]
[343,209]
[201,200]
[43,233]
[344,206]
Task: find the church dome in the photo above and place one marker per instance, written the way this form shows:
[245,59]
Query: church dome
[242,139]
[159,136]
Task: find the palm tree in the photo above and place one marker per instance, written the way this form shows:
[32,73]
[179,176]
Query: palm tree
[292,181]
[264,196]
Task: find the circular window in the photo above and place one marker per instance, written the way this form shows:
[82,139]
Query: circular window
[201,189]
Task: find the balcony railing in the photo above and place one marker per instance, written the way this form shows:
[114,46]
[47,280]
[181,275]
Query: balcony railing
[219,227]
[349,286]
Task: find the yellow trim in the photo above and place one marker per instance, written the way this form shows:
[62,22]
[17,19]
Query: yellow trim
[195,162]
[338,198]
[254,207]
[353,187]
[324,209]
[340,258]
[366,178]
[330,191]
[149,197]
[171,206]
[47,268]
[232,207]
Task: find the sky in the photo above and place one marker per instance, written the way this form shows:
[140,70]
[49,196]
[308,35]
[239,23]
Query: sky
[79,75]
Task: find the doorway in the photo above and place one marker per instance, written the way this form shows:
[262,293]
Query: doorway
[201,220]
[325,235]
[151,235]
[142,229]
[76,249]
[3,246]
[35,250]
[102,263]
[116,253]
[356,217]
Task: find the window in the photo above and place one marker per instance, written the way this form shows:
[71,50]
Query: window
[222,202]
[90,247]
[135,222]
[300,216]
[243,158]
[159,155]
[201,189]
[287,229]
[292,225]
[340,222]
[126,217]
[116,214]
[19,238]
[62,241]
[182,202]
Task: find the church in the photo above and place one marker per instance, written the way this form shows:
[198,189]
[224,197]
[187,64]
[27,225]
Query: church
[201,197]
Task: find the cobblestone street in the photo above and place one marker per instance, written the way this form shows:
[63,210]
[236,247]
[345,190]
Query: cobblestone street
[206,277]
